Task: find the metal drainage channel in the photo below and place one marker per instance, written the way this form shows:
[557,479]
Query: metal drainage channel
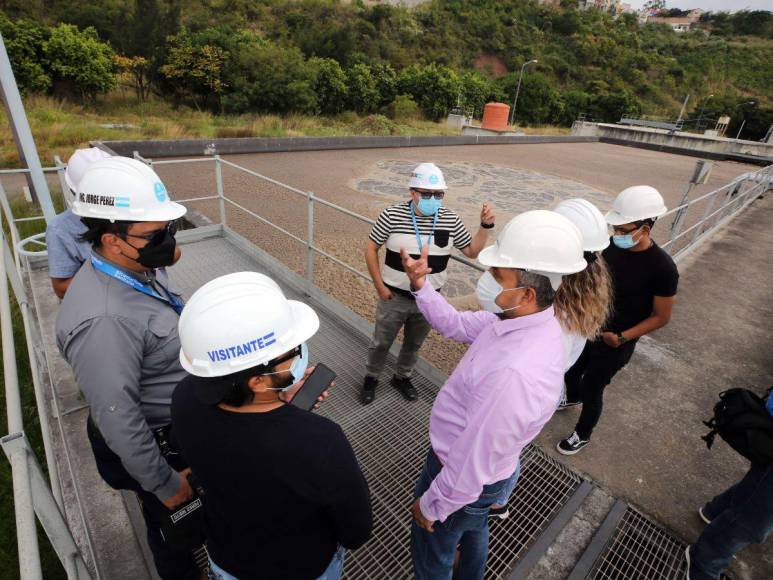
[640,550]
[390,439]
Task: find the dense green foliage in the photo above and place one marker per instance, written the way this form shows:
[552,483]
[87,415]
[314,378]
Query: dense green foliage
[311,56]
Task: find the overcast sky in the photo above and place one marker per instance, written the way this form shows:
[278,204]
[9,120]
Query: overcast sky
[713,5]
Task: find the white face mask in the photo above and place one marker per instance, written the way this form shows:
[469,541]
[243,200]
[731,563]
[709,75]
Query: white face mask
[297,369]
[488,289]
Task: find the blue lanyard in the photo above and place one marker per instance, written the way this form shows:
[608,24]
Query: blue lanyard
[121,276]
[416,227]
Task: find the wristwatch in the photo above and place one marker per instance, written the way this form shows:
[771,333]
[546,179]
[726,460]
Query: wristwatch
[486,226]
[621,339]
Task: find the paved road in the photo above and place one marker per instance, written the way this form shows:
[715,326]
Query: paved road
[647,448]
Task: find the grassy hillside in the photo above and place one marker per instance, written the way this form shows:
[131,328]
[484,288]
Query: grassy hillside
[314,57]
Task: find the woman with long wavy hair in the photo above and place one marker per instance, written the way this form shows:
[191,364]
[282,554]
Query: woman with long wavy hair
[583,302]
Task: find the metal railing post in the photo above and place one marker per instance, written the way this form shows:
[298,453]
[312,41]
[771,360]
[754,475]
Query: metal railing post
[20,127]
[309,242]
[26,532]
[219,184]
[61,167]
[707,212]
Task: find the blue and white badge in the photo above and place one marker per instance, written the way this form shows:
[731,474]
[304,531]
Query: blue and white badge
[160,191]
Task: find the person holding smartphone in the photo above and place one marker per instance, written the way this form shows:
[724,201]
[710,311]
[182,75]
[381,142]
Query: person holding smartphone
[283,493]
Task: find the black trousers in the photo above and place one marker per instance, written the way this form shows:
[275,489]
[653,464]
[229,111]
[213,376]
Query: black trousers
[171,564]
[589,376]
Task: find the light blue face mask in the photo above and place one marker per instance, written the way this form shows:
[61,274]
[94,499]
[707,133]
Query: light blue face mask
[625,242]
[297,369]
[429,206]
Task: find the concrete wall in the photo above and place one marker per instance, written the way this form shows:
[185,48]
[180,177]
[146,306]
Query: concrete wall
[187,147]
[678,142]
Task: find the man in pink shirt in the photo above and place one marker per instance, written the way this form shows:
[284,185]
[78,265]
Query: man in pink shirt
[500,395]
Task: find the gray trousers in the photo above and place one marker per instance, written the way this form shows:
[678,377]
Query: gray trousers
[391,315]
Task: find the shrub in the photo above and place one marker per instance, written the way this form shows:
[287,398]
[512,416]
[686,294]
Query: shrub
[364,96]
[329,85]
[404,108]
[80,61]
[271,78]
[435,88]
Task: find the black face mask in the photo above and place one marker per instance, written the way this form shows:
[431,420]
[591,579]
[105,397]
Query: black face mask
[159,251]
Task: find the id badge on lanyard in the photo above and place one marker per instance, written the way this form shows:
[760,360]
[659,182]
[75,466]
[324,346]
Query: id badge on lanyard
[125,278]
[416,228]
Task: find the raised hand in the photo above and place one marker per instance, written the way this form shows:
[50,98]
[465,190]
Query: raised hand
[416,270]
[487,215]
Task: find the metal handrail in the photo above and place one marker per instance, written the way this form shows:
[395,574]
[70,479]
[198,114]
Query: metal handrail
[33,495]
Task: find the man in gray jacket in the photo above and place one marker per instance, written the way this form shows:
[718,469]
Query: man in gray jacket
[117,328]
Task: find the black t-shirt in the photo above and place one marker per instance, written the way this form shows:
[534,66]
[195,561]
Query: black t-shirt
[282,488]
[638,277]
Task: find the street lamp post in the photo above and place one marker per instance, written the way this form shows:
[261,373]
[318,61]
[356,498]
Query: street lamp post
[700,115]
[518,89]
[738,136]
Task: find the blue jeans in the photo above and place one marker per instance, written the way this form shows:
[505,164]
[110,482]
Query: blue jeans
[333,572]
[740,516]
[433,553]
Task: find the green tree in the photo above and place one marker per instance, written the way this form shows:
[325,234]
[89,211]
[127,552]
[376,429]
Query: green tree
[386,82]
[575,103]
[538,102]
[476,90]
[435,88]
[364,96]
[610,107]
[272,79]
[329,85]
[24,42]
[195,69]
[79,62]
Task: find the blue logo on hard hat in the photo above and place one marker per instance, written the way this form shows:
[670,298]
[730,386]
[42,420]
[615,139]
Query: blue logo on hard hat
[160,191]
[433,179]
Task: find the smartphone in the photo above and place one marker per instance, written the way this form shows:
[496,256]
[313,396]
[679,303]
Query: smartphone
[315,384]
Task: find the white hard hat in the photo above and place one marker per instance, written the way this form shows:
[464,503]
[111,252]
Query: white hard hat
[639,202]
[540,241]
[427,176]
[239,321]
[123,189]
[79,162]
[589,220]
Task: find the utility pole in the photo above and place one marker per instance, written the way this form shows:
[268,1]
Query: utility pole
[518,89]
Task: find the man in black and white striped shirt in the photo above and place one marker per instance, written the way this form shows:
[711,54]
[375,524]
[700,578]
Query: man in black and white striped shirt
[410,225]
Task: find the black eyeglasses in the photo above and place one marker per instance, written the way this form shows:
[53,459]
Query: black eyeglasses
[158,235]
[430,194]
[297,351]
[621,231]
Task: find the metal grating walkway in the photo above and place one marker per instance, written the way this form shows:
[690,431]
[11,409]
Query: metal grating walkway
[640,550]
[390,437]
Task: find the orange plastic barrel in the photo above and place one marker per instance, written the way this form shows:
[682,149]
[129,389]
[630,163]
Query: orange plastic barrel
[495,116]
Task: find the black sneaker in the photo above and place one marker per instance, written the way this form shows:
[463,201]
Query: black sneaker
[572,444]
[501,513]
[406,388]
[368,393]
[702,514]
